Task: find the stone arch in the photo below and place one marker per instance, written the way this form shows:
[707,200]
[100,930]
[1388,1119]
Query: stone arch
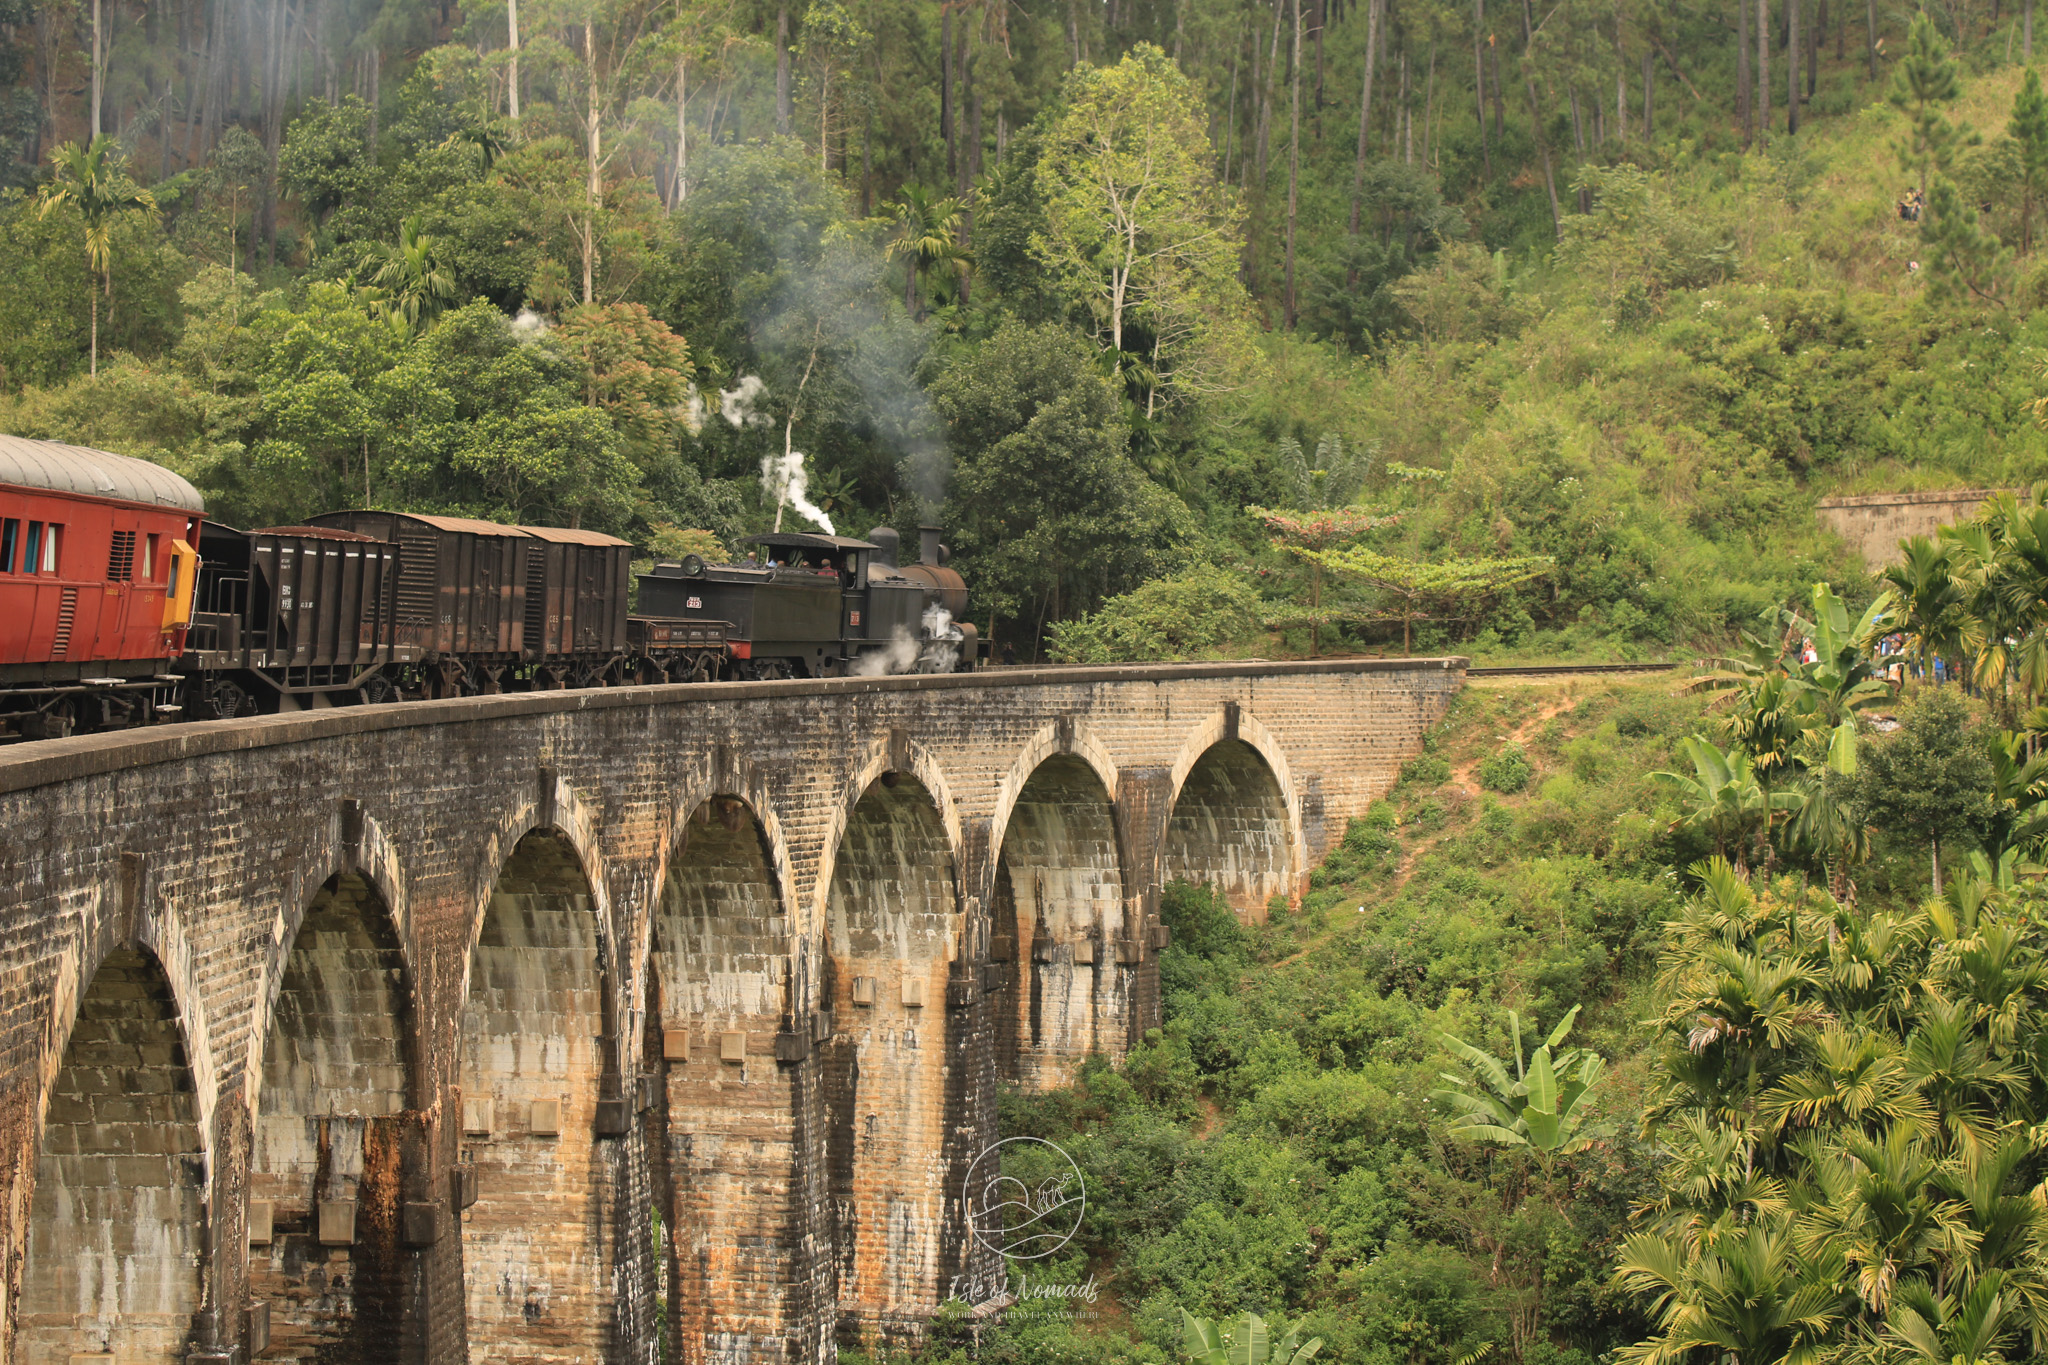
[117,1223]
[1234,818]
[1058,942]
[895,1085]
[1060,737]
[366,855]
[335,1127]
[539,1080]
[737,1174]
[737,779]
[885,760]
[562,815]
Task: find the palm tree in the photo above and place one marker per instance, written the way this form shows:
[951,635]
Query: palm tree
[92,180]
[1933,605]
[927,234]
[409,284]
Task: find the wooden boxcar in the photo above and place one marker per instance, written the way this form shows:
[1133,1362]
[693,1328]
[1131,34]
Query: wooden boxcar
[479,597]
[96,577]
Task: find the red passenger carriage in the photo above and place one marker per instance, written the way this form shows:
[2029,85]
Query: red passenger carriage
[96,576]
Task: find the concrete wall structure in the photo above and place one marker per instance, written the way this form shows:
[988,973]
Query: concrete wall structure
[1874,523]
[550,1027]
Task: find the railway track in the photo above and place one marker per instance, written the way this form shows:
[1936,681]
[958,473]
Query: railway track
[1566,670]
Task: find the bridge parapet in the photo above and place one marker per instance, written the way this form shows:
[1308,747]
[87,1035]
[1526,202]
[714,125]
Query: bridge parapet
[460,990]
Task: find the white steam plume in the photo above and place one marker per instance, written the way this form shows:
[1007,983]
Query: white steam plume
[736,404]
[942,641]
[784,478]
[691,411]
[529,324]
[898,656]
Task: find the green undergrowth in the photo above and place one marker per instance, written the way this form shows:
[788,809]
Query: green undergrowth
[1271,1147]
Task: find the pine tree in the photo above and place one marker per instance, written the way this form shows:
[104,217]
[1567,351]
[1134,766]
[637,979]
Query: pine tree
[1926,80]
[1964,261]
[2029,129]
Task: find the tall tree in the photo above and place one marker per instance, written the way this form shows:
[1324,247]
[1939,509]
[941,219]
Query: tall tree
[1136,225]
[512,64]
[1763,70]
[1536,119]
[1373,10]
[783,109]
[1293,163]
[1792,54]
[1926,82]
[1478,93]
[1742,103]
[93,181]
[2029,130]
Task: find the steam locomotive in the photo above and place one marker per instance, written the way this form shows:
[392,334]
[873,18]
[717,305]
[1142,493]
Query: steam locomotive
[120,605]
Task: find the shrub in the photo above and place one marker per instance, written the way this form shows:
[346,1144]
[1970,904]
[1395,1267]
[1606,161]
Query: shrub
[1506,772]
[1427,770]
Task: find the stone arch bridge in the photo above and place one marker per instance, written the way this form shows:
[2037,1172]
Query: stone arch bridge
[553,1027]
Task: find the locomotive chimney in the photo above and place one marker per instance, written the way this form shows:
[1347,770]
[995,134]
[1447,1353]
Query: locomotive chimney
[928,545]
[887,544]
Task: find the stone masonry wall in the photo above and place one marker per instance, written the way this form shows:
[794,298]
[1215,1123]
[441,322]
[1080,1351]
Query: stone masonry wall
[1874,523]
[538,1245]
[116,1226]
[200,851]
[722,965]
[326,1146]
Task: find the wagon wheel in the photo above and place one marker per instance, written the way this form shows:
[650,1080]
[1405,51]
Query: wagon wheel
[54,721]
[377,690]
[217,699]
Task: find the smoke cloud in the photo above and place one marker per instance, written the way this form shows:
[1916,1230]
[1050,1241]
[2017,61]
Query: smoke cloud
[529,325]
[784,479]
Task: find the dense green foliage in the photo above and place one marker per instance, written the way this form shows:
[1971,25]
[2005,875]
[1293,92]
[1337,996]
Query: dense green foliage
[1085,285]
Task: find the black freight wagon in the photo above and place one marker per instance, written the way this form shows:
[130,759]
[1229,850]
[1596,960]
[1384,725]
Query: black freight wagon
[291,617]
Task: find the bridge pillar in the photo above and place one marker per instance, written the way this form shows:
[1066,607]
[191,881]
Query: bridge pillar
[540,1116]
[117,1227]
[732,1049]
[910,1040]
[337,1140]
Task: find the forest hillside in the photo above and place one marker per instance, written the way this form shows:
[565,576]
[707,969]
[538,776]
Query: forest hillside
[1565,310]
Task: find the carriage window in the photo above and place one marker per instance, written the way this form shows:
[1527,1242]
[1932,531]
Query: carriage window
[51,536]
[32,550]
[149,559]
[10,532]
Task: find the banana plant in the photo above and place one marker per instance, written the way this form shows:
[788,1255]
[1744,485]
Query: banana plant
[1246,1341]
[1544,1108]
[1726,800]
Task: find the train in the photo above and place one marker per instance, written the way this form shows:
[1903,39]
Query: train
[121,605]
